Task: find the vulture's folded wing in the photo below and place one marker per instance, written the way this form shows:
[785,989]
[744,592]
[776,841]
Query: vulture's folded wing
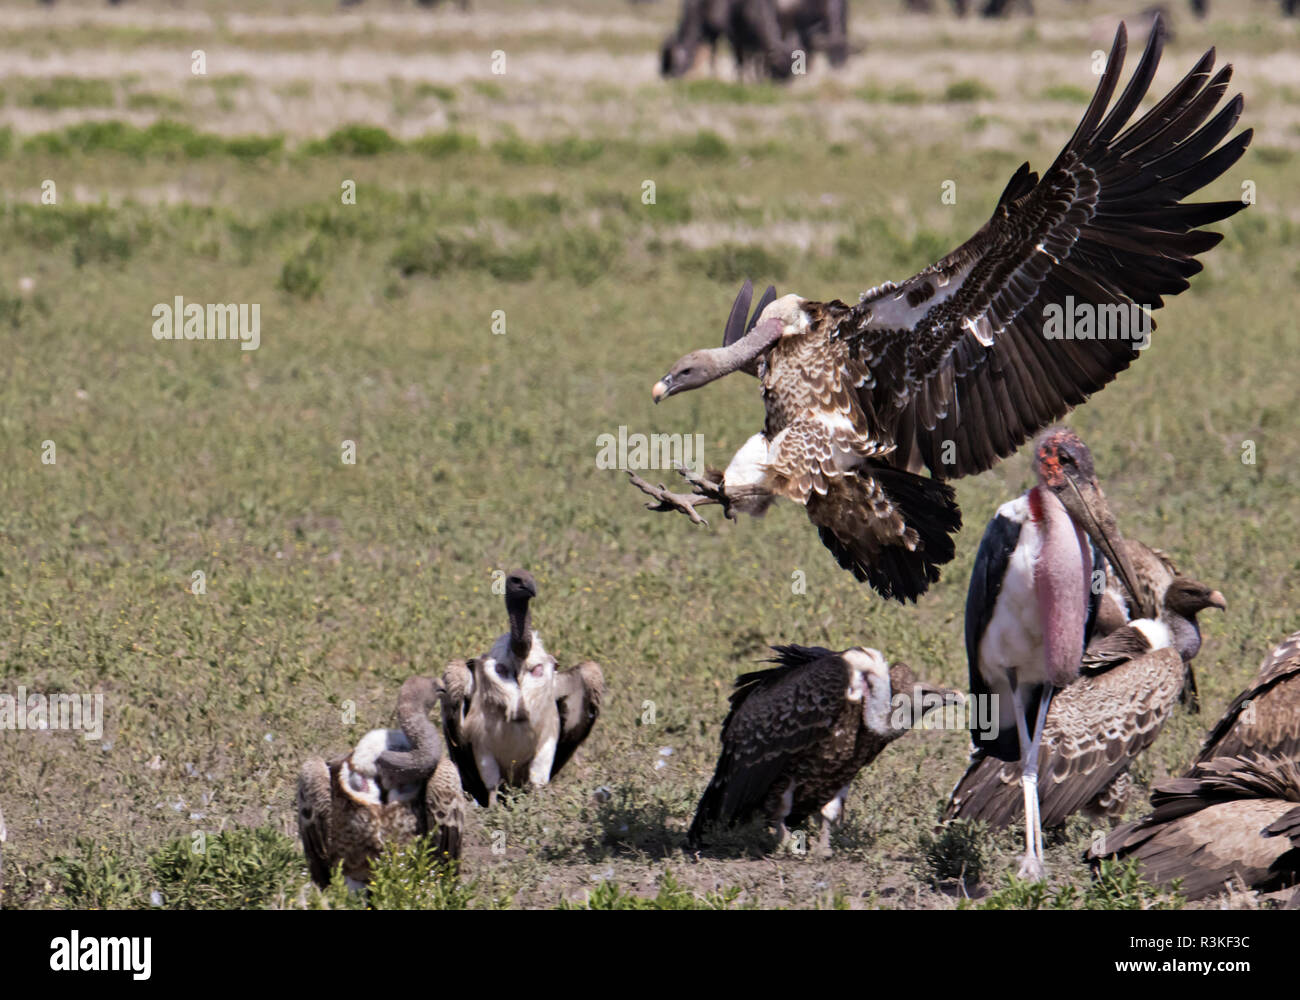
[1266,716]
[578,694]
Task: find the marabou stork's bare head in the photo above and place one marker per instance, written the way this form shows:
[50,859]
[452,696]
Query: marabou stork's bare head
[1063,465]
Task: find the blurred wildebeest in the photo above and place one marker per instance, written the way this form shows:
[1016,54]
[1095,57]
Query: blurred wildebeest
[764,34]
[702,23]
[821,26]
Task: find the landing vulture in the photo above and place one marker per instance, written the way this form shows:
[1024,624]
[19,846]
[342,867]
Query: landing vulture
[395,785]
[509,716]
[952,369]
[1097,726]
[798,733]
[1231,818]
[1265,717]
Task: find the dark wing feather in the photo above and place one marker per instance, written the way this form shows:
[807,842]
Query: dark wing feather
[775,715]
[1272,724]
[961,345]
[735,328]
[457,692]
[1124,644]
[315,807]
[999,541]
[578,694]
[1213,825]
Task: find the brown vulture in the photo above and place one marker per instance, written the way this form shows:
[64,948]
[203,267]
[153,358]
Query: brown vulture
[798,733]
[1265,718]
[1230,818]
[394,785]
[1131,680]
[952,369]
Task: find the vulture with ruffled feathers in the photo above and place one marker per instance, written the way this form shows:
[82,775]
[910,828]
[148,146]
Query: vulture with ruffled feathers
[798,733]
[393,786]
[952,369]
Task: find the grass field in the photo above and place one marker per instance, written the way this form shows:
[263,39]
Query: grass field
[327,584]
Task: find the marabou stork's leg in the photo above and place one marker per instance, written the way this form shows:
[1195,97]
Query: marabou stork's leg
[1031,867]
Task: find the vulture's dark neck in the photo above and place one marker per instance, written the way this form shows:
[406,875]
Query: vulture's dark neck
[521,629]
[404,767]
[1186,634]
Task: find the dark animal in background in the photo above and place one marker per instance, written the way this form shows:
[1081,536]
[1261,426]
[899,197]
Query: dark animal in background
[765,36]
[701,24]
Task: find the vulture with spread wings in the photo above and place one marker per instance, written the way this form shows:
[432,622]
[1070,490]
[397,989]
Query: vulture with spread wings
[952,369]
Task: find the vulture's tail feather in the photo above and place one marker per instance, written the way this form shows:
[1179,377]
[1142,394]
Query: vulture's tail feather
[847,520]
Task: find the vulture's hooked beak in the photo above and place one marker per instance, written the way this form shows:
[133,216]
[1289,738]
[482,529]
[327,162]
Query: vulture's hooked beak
[1217,600]
[935,694]
[1087,507]
[663,388]
[926,696]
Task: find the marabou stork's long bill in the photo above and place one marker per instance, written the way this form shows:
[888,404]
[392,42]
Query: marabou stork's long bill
[1031,605]
[954,368]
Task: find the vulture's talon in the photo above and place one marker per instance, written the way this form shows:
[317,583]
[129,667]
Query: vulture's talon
[715,492]
[668,501]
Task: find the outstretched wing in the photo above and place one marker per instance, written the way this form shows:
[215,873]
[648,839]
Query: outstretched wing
[963,347]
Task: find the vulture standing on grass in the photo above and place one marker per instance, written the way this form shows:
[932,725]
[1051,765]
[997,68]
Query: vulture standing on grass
[951,370]
[1097,726]
[395,785]
[1265,718]
[1229,819]
[1153,571]
[509,716]
[797,734]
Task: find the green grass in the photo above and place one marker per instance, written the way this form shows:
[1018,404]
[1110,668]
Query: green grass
[328,584]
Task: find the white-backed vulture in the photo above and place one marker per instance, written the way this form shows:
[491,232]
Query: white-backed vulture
[1229,819]
[508,716]
[798,733]
[952,369]
[394,785]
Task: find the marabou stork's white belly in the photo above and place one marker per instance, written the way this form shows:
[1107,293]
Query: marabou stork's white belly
[1013,639]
